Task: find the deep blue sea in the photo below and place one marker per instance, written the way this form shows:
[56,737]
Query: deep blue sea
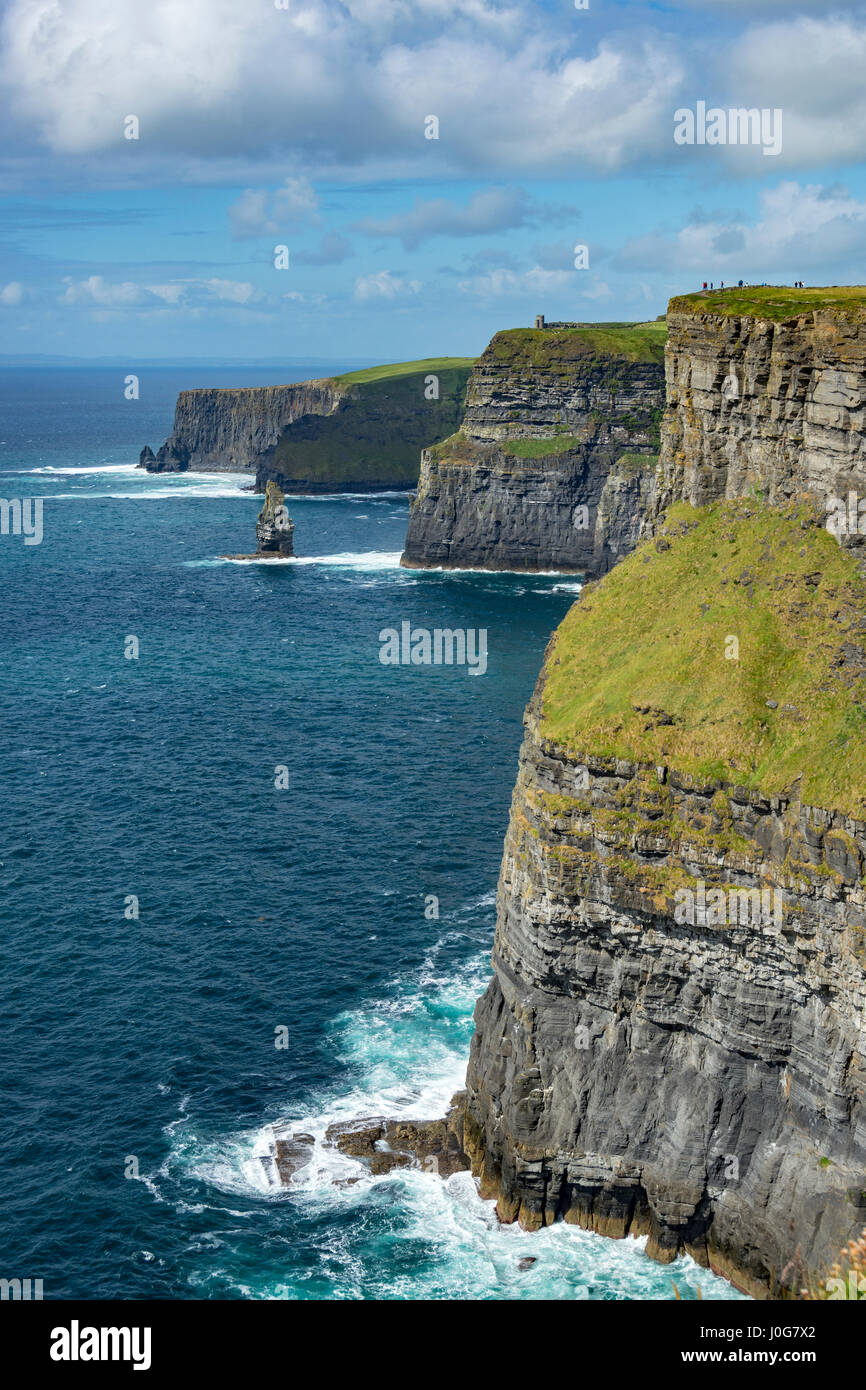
[147,1046]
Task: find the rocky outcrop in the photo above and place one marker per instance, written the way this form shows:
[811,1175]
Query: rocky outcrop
[673,1043]
[380,1144]
[757,404]
[436,1146]
[274,529]
[235,430]
[548,414]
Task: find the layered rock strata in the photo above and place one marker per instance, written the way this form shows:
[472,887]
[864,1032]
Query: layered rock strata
[275,529]
[522,485]
[757,404]
[235,430]
[662,1050]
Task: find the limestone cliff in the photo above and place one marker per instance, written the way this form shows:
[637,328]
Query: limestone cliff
[363,431]
[766,392]
[233,430]
[696,1075]
[521,486]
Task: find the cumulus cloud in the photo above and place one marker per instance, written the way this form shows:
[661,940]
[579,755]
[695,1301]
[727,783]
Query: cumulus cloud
[798,225]
[12,294]
[263,212]
[813,70]
[97,292]
[332,249]
[381,284]
[323,83]
[501,283]
[488,210]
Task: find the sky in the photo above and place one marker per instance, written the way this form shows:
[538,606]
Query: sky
[429,169]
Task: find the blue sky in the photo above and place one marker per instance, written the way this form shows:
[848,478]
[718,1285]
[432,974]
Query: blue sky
[301,123]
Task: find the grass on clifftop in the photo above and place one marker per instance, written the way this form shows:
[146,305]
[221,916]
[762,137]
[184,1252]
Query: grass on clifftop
[639,668]
[396,369]
[547,347]
[776,302]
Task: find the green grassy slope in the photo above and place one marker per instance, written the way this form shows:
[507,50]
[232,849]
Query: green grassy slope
[390,370]
[374,439]
[775,302]
[555,348]
[639,667]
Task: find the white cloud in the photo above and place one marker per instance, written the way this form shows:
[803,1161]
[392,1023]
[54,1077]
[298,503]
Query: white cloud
[798,226]
[12,294]
[220,87]
[323,84]
[813,70]
[502,283]
[233,291]
[262,212]
[488,210]
[97,292]
[381,284]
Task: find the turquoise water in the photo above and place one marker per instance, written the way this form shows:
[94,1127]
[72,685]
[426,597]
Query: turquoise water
[146,1046]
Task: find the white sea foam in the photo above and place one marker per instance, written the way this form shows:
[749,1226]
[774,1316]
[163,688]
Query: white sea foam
[85,469]
[365,561]
[405,1054]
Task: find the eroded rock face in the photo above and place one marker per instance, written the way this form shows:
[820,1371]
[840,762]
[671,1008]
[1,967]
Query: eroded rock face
[481,505]
[236,430]
[274,529]
[780,407]
[701,1084]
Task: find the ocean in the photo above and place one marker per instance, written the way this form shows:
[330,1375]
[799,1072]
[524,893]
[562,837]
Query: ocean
[168,912]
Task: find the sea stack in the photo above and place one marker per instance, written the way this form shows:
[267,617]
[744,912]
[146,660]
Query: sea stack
[274,529]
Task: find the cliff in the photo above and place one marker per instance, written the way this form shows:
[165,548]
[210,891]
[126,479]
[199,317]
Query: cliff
[527,481]
[766,392]
[360,431]
[232,431]
[672,1043]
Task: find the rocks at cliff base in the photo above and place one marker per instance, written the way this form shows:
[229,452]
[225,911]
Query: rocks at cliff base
[173,457]
[434,1145]
[382,1145]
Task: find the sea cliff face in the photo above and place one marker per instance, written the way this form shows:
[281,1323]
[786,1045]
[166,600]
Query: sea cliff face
[662,1050]
[759,404]
[363,431]
[233,431]
[373,437]
[549,412]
